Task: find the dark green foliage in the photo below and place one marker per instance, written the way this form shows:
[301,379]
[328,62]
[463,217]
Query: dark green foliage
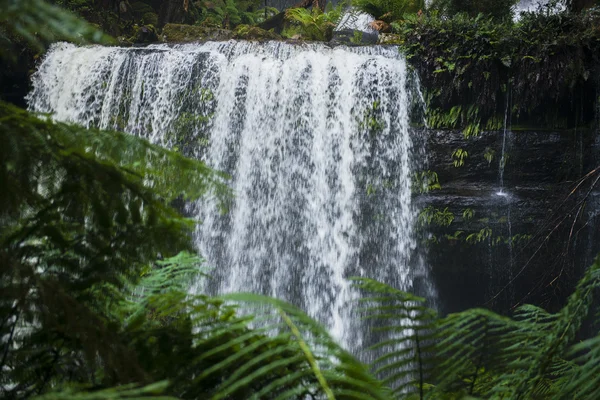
[558,60]
[459,61]
[543,69]
[497,9]
[80,212]
[318,366]
[389,10]
[38,23]
[528,357]
[228,14]
[480,354]
[578,5]
[408,327]
[425,182]
[131,392]
[313,24]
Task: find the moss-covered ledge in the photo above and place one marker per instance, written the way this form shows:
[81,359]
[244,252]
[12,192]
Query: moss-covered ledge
[179,33]
[478,73]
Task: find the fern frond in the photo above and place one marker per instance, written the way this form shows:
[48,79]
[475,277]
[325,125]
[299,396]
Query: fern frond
[87,211]
[406,328]
[41,23]
[320,366]
[314,24]
[128,392]
[584,382]
[565,328]
[389,10]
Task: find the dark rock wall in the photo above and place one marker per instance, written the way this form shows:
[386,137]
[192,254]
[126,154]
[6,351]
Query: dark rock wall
[528,244]
[283,4]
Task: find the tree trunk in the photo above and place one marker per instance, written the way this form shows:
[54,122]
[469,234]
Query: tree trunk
[580,5]
[172,11]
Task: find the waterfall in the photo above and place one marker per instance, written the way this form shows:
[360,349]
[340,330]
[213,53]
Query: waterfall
[537,5]
[316,140]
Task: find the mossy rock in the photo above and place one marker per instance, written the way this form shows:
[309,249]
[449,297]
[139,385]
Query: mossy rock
[150,18]
[351,37]
[248,32]
[389,38]
[189,33]
[144,34]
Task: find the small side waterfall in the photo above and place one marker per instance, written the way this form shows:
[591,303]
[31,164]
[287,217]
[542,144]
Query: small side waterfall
[505,194]
[316,140]
[502,163]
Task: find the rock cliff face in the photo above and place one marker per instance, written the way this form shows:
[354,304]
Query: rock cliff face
[527,241]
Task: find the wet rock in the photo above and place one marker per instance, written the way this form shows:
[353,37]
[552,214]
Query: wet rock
[179,33]
[489,253]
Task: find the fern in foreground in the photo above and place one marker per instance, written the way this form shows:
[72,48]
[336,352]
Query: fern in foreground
[480,354]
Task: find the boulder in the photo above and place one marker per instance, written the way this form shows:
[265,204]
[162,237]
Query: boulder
[144,34]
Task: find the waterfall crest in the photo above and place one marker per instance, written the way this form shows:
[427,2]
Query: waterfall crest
[316,140]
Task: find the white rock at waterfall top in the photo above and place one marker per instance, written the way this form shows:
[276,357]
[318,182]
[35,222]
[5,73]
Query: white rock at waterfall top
[356,20]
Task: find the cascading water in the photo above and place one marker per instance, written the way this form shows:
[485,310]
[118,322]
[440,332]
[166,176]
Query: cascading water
[505,132]
[536,5]
[506,136]
[316,140]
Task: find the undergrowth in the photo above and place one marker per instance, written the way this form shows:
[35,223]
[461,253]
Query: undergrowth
[477,71]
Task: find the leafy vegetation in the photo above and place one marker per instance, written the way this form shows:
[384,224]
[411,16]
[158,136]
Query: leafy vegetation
[431,215]
[480,354]
[497,9]
[389,10]
[228,14]
[425,182]
[458,157]
[313,24]
[477,70]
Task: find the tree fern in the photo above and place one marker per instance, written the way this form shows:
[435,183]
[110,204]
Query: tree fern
[531,356]
[40,23]
[406,327]
[127,392]
[80,213]
[567,325]
[312,24]
[321,366]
